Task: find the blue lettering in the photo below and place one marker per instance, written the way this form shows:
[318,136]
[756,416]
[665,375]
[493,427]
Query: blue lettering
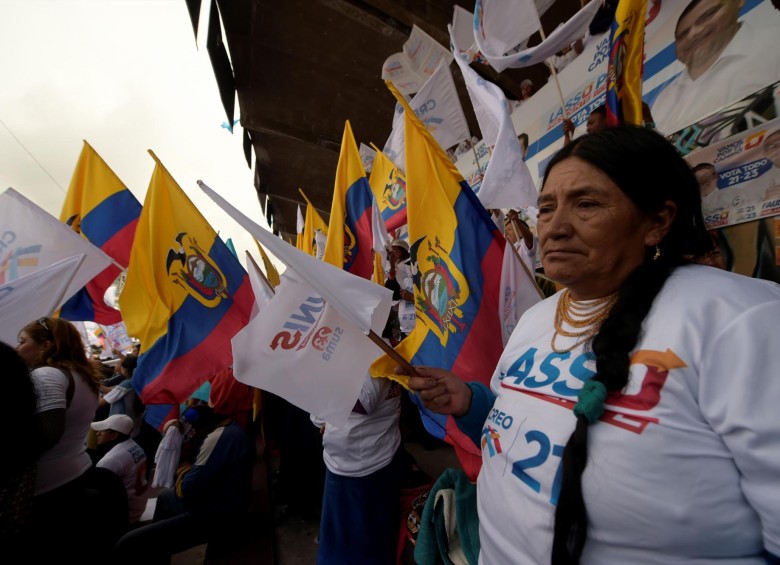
[548,369]
[307,309]
[522,366]
[7,239]
[579,371]
[501,418]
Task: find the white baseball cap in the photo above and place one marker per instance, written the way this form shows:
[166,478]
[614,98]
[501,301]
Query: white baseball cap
[118,422]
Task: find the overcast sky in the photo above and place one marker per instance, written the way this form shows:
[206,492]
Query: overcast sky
[127,76]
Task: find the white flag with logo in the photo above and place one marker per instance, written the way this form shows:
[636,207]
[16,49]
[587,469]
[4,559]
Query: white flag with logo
[507,182]
[301,348]
[438,107]
[33,239]
[35,295]
[500,25]
[409,69]
[518,292]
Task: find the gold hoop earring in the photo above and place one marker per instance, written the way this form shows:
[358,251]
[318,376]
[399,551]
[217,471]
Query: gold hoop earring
[657,253]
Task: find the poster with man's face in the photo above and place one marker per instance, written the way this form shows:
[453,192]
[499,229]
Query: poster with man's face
[701,56]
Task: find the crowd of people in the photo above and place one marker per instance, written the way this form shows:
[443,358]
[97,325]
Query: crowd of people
[629,419]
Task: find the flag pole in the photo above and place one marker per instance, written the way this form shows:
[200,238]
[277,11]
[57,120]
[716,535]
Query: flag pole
[479,167]
[518,235]
[385,347]
[261,273]
[392,353]
[552,68]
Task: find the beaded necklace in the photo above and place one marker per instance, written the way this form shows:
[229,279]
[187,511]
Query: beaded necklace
[584,316]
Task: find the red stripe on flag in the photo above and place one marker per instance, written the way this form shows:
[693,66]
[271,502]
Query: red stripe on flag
[182,375]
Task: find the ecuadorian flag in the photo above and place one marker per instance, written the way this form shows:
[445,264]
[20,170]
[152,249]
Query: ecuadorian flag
[626,58]
[311,224]
[456,256]
[388,184]
[101,208]
[350,237]
[185,297]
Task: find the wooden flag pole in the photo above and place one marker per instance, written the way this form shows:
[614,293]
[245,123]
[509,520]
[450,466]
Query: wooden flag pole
[518,235]
[553,69]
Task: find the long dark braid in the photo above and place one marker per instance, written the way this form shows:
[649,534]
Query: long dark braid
[623,154]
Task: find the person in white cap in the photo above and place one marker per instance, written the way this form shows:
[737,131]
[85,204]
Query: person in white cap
[125,458]
[401,273]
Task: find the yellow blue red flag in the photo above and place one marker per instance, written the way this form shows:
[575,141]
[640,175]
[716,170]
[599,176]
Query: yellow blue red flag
[270,269]
[311,224]
[350,236]
[185,297]
[101,208]
[388,183]
[456,255]
[626,62]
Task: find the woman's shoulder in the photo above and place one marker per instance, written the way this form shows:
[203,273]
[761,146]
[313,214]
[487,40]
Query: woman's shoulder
[48,373]
[695,285]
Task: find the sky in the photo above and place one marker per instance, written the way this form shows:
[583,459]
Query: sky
[126,76]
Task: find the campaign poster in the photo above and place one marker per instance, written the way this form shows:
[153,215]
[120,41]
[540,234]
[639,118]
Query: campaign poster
[700,57]
[739,177]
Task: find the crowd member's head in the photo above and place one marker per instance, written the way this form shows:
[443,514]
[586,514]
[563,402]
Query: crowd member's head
[618,211]
[703,30]
[19,414]
[712,258]
[597,120]
[57,343]
[523,138]
[527,89]
[707,178]
[115,429]
[399,249]
[128,365]
[772,147]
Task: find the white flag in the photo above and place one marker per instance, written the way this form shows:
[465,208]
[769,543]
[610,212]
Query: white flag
[33,239]
[364,303]
[463,29]
[409,69]
[36,294]
[518,292]
[502,23]
[301,348]
[507,182]
[438,107]
[379,231]
[366,157]
[299,225]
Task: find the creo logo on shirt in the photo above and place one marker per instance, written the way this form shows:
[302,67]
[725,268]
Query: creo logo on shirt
[300,325]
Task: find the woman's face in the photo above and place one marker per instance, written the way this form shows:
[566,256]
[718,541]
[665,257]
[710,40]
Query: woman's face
[30,350]
[591,236]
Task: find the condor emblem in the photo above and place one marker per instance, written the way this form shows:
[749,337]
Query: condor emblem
[192,268]
[394,193]
[442,289]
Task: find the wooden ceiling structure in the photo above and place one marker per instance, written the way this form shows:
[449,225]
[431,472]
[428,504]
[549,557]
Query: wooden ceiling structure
[301,68]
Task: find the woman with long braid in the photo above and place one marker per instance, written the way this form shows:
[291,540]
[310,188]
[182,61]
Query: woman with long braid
[633,415]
